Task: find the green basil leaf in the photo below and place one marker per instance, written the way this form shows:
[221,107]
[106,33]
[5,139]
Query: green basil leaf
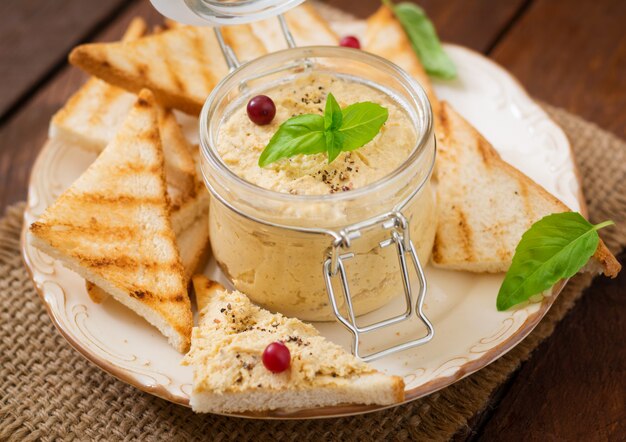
[361,123]
[302,134]
[424,40]
[555,247]
[334,144]
[332,114]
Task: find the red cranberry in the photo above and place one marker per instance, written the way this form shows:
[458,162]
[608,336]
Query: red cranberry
[350,41]
[276,357]
[261,110]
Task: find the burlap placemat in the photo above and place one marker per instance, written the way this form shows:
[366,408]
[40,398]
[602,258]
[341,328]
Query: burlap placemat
[49,392]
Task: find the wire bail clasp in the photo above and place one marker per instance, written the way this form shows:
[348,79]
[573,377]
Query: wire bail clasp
[398,226]
[229,55]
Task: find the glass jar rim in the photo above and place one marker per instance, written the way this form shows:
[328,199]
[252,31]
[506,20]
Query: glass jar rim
[417,93]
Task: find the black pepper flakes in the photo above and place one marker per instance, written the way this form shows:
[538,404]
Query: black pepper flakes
[295,339]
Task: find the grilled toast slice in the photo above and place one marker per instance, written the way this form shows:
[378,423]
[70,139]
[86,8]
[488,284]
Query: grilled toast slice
[112,226]
[385,36]
[485,204]
[91,117]
[188,207]
[229,375]
[181,65]
[180,169]
[307,27]
[193,246]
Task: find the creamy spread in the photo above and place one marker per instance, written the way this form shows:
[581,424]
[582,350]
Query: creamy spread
[228,345]
[240,141]
[282,270]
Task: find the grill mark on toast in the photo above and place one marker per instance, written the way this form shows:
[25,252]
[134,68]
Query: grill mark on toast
[143,71]
[125,262]
[145,296]
[107,95]
[38,227]
[466,237]
[134,168]
[171,67]
[206,74]
[67,110]
[436,253]
[528,207]
[95,198]
[484,149]
[96,229]
[142,103]
[444,122]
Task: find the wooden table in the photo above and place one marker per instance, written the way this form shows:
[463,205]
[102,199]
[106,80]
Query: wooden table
[570,54]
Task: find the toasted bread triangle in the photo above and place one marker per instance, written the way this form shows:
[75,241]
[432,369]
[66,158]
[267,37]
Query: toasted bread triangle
[112,226]
[180,168]
[229,375]
[93,114]
[385,37]
[181,65]
[193,245]
[307,28]
[478,228]
[485,204]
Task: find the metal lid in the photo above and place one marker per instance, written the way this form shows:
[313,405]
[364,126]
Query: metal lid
[222,12]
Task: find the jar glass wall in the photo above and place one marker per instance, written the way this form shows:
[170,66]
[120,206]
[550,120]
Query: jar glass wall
[272,245]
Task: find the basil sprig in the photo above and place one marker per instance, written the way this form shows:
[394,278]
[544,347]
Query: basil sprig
[555,247]
[424,40]
[336,131]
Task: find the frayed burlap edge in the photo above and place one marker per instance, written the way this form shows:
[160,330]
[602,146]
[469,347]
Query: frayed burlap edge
[49,392]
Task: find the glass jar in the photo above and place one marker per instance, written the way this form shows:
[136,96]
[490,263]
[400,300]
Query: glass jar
[278,247]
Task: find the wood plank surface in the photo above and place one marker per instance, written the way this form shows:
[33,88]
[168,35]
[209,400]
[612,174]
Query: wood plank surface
[475,24]
[36,36]
[574,385]
[572,55]
[23,135]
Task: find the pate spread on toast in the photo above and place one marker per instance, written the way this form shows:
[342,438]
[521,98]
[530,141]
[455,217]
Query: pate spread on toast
[229,375]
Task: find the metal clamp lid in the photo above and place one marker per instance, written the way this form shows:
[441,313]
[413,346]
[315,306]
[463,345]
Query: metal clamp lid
[333,266]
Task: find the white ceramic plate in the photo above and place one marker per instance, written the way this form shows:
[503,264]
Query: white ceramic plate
[469,332]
